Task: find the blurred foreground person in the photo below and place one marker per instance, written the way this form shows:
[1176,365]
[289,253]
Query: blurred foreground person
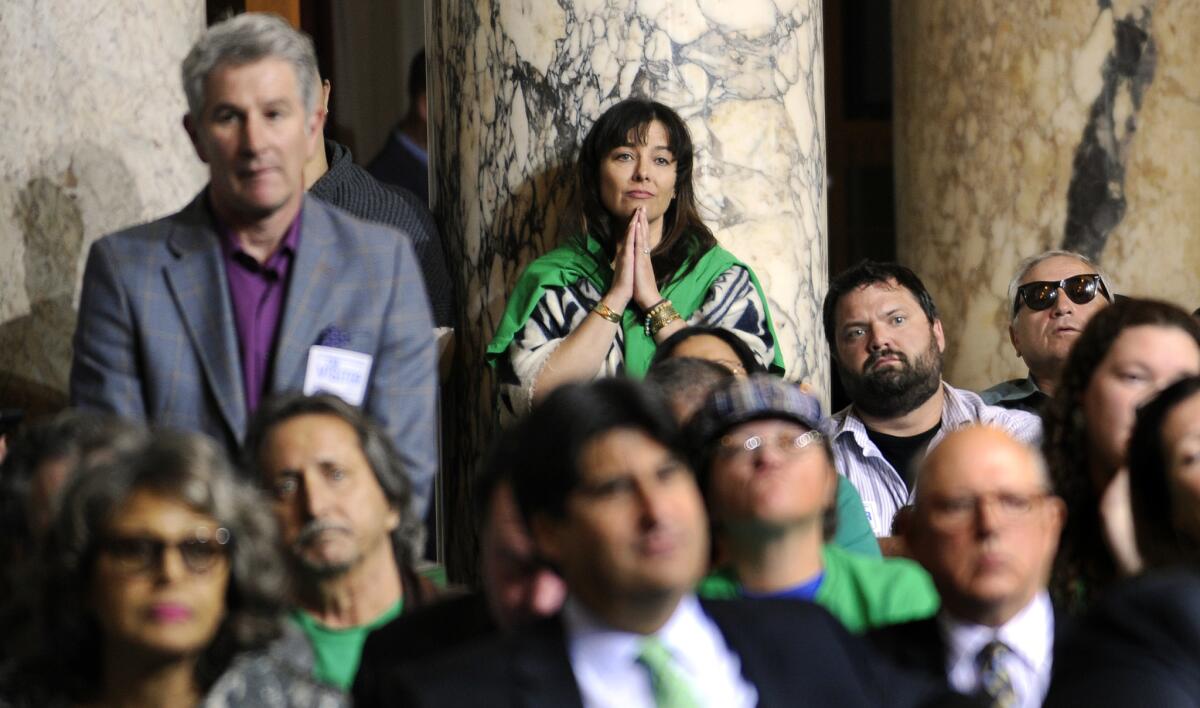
[986,527]
[162,586]
[614,507]
[517,588]
[345,510]
[1129,351]
[767,473]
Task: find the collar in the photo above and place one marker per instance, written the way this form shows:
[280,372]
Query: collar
[1029,634]
[233,249]
[846,422]
[411,145]
[612,650]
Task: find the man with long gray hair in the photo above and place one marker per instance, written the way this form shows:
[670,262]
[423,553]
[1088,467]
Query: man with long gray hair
[253,289]
[346,519]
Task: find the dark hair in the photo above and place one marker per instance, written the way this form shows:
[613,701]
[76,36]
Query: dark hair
[416,76]
[743,351]
[1084,566]
[408,536]
[1159,540]
[183,466]
[551,438]
[72,436]
[869,272]
[685,237]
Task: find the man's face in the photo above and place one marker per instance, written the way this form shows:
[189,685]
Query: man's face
[888,353]
[984,525]
[785,480]
[255,136]
[634,531]
[1043,338]
[332,512]
[518,587]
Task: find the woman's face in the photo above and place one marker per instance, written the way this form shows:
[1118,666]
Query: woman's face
[714,349]
[633,176]
[1181,449]
[1143,360]
[160,576]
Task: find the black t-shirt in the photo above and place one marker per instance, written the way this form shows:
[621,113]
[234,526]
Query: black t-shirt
[901,452]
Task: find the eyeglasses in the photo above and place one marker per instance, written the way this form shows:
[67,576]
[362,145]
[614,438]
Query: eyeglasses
[956,512]
[140,554]
[1042,294]
[787,443]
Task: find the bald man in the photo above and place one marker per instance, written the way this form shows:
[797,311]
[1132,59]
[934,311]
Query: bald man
[985,525]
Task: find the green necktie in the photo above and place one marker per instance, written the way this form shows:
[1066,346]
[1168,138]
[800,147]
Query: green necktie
[671,688]
[994,681]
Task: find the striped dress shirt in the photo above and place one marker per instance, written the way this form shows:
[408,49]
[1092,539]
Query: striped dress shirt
[883,491]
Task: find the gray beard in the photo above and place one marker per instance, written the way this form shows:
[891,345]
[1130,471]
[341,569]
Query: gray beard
[894,392]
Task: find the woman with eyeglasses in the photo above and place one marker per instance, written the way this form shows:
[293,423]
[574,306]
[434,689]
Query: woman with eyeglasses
[161,586]
[644,266]
[1128,352]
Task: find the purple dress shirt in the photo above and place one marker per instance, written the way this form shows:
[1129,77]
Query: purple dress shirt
[257,291]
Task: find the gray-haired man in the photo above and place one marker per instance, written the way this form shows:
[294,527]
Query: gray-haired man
[253,289]
[1052,297]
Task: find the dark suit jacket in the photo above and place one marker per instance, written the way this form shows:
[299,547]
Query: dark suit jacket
[1140,646]
[156,338]
[432,631]
[396,164]
[794,653]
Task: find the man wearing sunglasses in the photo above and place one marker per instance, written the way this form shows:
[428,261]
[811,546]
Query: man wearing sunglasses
[1050,299]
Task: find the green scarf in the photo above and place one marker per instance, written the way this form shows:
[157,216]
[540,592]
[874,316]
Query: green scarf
[578,259]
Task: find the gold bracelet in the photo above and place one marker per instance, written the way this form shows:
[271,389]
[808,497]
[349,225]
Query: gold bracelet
[607,313]
[660,319]
[658,308]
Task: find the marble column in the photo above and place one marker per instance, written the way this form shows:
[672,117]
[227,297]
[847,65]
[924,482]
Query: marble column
[514,87]
[1027,126]
[92,142]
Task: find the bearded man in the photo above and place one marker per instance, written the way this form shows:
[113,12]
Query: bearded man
[888,344]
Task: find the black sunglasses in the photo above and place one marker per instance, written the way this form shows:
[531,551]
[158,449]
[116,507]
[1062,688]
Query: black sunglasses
[1042,294]
[140,554]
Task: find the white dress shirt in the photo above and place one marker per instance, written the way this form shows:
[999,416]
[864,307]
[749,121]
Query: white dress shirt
[1029,635]
[604,660]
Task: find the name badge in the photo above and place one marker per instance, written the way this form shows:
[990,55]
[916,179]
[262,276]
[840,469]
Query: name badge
[338,371]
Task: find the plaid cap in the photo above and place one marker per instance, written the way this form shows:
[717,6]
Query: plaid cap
[753,398]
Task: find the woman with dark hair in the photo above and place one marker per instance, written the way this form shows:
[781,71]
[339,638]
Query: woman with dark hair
[1129,351]
[162,586]
[1164,489]
[714,344]
[643,268]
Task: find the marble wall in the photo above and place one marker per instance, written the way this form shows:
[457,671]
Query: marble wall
[92,142]
[1034,125]
[514,87]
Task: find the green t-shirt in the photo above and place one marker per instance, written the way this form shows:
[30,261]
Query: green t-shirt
[862,592]
[336,652]
[853,529]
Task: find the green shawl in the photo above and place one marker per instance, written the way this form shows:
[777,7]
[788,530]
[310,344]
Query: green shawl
[578,259]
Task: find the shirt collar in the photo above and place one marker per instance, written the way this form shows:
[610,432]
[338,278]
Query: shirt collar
[232,247]
[954,412]
[1029,634]
[612,649]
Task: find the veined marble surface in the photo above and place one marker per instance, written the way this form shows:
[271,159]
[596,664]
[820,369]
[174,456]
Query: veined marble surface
[92,142]
[514,87]
[1027,126]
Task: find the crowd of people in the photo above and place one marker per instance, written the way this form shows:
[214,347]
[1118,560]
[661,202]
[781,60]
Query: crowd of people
[233,511]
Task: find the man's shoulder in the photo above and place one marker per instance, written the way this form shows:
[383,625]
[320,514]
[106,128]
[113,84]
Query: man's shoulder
[138,238]
[964,407]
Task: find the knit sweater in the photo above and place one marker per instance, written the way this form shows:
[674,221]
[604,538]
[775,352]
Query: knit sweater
[352,189]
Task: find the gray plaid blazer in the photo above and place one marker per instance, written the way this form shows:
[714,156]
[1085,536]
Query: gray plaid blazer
[156,339]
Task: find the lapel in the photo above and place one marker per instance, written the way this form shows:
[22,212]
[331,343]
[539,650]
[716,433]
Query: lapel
[198,268]
[318,261]
[542,674]
[753,654]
